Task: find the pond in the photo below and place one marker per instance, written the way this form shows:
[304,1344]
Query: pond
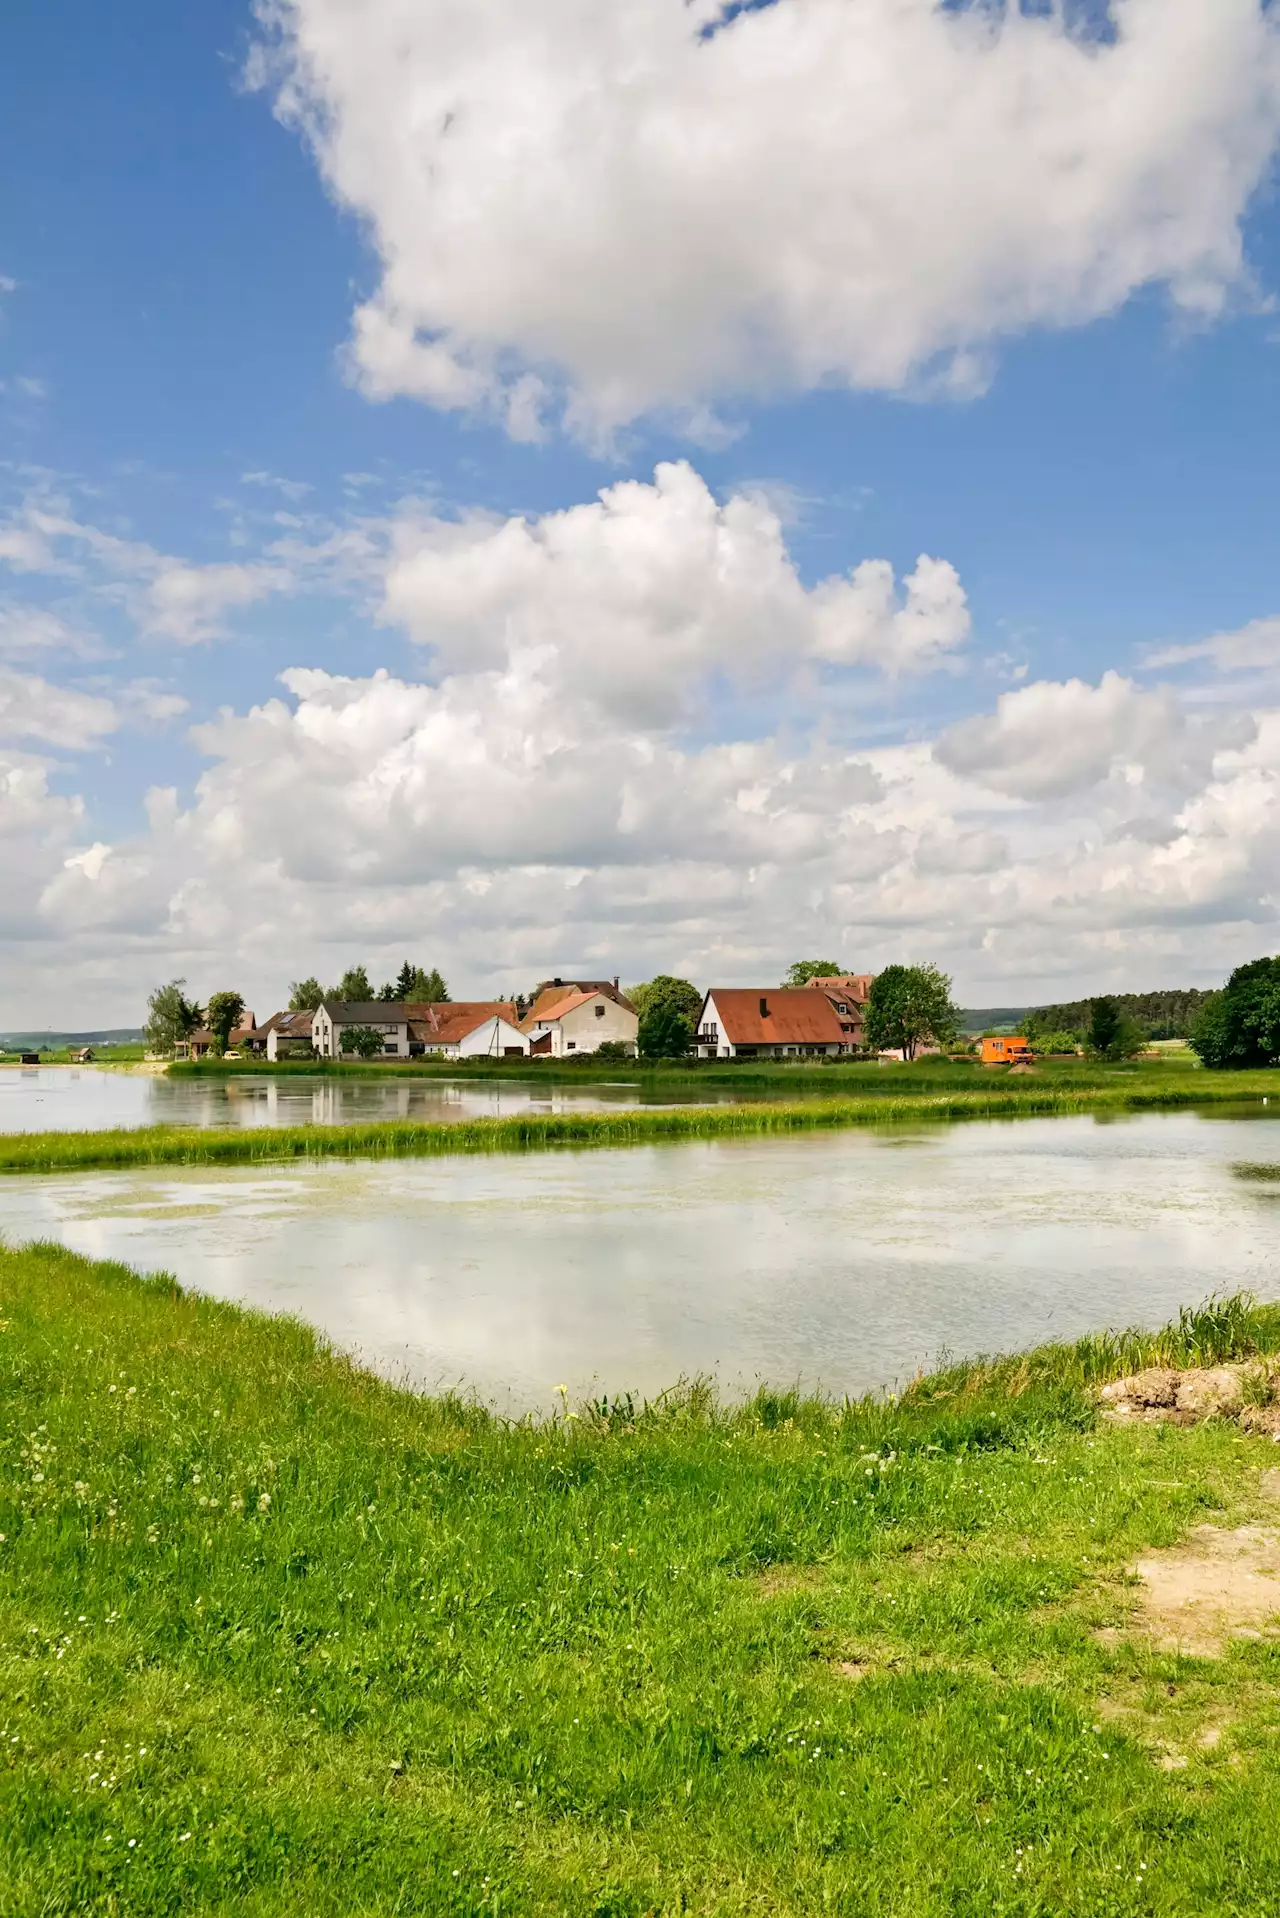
[80,1099]
[841,1260]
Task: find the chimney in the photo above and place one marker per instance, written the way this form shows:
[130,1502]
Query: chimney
[616,977]
[764,1008]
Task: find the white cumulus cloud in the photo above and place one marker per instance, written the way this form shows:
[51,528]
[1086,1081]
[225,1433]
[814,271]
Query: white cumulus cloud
[1053,738]
[633,600]
[611,208]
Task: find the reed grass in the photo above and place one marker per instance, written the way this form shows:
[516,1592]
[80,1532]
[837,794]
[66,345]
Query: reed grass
[277,1638]
[635,1125]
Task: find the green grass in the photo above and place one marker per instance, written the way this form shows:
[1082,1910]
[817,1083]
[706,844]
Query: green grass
[121,1055]
[320,1647]
[996,1097]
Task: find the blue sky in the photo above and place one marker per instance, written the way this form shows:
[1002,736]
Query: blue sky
[1077,414]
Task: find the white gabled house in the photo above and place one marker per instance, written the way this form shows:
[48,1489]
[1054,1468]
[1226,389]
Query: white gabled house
[480,1029]
[786,1023]
[569,1017]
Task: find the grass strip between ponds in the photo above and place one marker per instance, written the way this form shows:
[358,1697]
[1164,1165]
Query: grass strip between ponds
[636,1125]
[280,1638]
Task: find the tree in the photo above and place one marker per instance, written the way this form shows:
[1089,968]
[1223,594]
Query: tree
[422,988]
[1113,1033]
[806,969]
[908,1007]
[1240,1026]
[1054,1041]
[668,992]
[223,1014]
[665,1032]
[305,995]
[170,1017]
[362,1040]
[354,988]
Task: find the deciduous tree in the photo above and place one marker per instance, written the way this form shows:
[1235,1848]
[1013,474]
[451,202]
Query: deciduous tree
[667,991]
[910,1006]
[806,969]
[223,1013]
[305,995]
[665,1032]
[170,1017]
[1240,1026]
[354,988]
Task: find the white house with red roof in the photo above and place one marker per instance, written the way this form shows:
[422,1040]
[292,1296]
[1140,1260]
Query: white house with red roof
[788,1022]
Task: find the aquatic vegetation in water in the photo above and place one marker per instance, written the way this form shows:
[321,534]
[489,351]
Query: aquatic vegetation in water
[631,1125]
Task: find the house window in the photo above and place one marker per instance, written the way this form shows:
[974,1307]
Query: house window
[573,1045]
[389,1046]
[599,1012]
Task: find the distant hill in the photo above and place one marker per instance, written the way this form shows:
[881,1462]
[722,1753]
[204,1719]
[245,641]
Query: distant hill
[993,1018]
[55,1041]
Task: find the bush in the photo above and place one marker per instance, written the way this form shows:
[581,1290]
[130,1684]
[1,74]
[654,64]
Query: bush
[362,1040]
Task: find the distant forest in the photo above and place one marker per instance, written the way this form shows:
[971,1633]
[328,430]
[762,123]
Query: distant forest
[1162,1015]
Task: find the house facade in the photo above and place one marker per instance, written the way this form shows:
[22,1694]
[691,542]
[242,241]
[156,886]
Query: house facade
[473,1029]
[570,1017]
[477,1029]
[332,1018]
[790,1022]
[283,1030]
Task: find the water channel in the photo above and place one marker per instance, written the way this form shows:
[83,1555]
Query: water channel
[842,1260]
[75,1099]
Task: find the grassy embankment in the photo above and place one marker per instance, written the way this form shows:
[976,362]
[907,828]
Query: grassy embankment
[121,1055]
[879,1099]
[277,1638]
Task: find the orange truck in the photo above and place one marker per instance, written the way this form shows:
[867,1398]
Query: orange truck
[1006,1052]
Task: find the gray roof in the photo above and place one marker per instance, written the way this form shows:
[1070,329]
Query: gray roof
[383,1012]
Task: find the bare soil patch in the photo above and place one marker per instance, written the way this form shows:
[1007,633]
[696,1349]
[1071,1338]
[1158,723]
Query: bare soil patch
[1249,1394]
[1216,1586]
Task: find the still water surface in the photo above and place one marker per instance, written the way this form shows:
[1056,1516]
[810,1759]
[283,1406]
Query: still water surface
[71,1099]
[841,1260]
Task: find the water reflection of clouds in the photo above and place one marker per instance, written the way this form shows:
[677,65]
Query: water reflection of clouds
[56,1099]
[821,1258]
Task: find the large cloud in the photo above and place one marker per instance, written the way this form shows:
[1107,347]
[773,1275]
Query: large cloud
[1054,738]
[645,204]
[634,600]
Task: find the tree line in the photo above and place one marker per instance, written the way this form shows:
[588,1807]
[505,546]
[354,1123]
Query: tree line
[1160,1015]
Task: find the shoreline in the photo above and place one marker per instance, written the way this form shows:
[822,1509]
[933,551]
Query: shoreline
[53,1152]
[266,1618]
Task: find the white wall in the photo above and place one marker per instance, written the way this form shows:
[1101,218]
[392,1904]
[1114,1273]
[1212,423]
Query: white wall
[492,1039]
[589,1025]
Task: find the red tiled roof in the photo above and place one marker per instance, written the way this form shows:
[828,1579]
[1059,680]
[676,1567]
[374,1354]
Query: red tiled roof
[554,1000]
[553,997]
[847,985]
[452,1020]
[792,1016]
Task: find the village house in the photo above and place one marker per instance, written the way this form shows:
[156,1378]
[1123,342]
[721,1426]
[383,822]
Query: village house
[198,1044]
[474,1029]
[848,993]
[791,1022]
[283,1032]
[575,1016]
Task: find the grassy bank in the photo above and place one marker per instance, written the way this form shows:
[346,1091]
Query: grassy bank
[276,1638]
[635,1125]
[786,1078]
